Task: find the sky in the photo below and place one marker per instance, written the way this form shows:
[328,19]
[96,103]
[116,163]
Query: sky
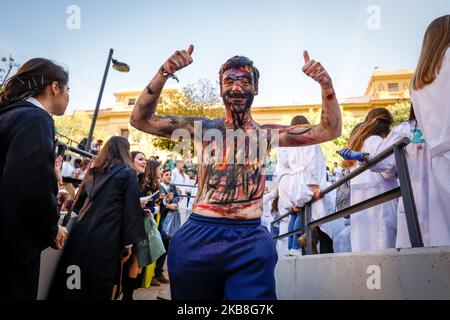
[349,37]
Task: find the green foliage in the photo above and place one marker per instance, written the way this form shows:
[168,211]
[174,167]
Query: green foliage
[76,127]
[329,148]
[400,111]
[200,99]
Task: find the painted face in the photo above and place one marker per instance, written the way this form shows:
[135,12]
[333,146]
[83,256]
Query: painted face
[238,89]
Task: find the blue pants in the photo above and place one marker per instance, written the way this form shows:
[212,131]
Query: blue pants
[294,224]
[221,258]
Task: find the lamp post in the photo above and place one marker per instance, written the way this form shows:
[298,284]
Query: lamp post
[119,66]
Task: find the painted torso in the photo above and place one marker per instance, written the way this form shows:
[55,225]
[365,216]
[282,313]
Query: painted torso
[231,188]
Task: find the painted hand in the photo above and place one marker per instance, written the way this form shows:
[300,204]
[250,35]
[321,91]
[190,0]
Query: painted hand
[316,71]
[349,154]
[179,60]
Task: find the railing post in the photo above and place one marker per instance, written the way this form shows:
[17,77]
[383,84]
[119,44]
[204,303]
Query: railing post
[271,229]
[412,221]
[307,229]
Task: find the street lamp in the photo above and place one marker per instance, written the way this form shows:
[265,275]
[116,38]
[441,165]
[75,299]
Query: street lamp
[119,66]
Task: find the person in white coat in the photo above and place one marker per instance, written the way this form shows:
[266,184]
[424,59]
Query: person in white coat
[284,176]
[418,160]
[304,174]
[430,94]
[374,228]
[267,216]
[182,181]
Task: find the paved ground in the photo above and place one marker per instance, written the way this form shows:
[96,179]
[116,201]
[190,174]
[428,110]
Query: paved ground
[153,293]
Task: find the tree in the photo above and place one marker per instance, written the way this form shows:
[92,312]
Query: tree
[9,65]
[329,148]
[400,111]
[76,127]
[200,99]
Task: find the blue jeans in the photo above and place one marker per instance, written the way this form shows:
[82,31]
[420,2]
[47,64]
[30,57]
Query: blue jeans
[294,224]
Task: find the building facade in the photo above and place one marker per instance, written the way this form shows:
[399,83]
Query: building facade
[384,88]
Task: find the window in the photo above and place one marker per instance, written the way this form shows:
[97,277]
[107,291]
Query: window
[131,102]
[392,87]
[124,133]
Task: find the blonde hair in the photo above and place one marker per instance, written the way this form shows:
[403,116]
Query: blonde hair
[378,122]
[435,43]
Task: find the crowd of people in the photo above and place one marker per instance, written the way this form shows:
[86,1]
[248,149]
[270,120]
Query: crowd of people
[209,220]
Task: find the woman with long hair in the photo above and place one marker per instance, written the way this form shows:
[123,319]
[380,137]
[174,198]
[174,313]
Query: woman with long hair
[430,94]
[28,183]
[374,228]
[418,159]
[153,174]
[139,259]
[109,222]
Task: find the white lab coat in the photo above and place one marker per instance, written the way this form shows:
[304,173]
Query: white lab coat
[432,109]
[67,169]
[291,190]
[267,216]
[179,178]
[309,166]
[374,228]
[417,157]
[284,176]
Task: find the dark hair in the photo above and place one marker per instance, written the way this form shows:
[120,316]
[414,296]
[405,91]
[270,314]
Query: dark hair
[77,163]
[166,169]
[150,175]
[116,150]
[299,120]
[141,176]
[412,114]
[31,80]
[274,206]
[377,123]
[239,62]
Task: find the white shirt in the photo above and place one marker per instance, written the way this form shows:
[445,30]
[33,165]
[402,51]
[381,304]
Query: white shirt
[37,103]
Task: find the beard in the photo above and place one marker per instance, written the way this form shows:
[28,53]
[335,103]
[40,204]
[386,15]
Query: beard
[238,103]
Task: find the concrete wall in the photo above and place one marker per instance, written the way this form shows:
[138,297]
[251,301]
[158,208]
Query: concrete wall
[419,273]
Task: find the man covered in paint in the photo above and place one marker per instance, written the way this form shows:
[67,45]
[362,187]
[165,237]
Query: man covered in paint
[223,251]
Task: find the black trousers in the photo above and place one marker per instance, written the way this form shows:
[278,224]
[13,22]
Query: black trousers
[326,243]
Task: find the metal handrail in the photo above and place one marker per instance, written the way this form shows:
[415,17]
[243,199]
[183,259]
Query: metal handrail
[404,191]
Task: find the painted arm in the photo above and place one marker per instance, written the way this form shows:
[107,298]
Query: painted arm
[330,126]
[143,116]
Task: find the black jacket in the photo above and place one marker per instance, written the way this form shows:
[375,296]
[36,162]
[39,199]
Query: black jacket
[112,221]
[28,188]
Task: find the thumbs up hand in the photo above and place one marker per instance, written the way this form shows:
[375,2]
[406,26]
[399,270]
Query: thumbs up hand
[315,70]
[179,59]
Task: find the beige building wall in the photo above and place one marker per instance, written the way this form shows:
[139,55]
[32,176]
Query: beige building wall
[384,88]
